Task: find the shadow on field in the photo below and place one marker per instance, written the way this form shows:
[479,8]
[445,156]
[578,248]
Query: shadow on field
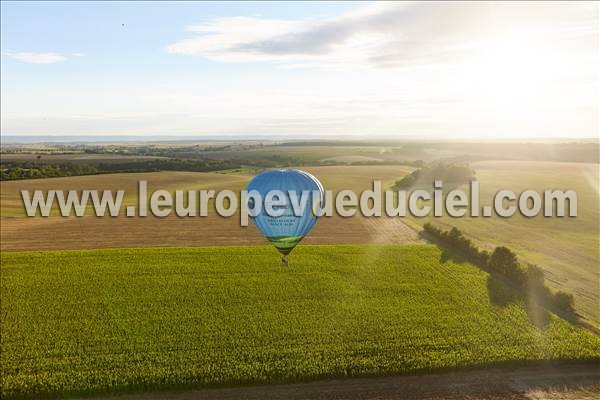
[502,293]
[538,313]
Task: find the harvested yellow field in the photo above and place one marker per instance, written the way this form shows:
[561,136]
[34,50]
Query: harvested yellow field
[55,232]
[336,178]
[12,205]
[213,230]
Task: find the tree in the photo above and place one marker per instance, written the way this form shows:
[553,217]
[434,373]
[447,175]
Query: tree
[564,301]
[535,276]
[502,260]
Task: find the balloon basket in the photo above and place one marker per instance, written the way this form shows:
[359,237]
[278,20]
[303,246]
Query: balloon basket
[284,261]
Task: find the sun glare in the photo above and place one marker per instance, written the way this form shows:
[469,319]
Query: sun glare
[514,75]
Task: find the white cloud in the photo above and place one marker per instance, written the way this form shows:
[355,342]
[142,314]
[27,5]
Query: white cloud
[38,58]
[387,34]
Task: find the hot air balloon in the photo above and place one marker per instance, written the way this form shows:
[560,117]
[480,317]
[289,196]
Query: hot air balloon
[287,230]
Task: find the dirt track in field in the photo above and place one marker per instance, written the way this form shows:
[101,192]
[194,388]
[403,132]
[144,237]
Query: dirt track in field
[55,233]
[567,381]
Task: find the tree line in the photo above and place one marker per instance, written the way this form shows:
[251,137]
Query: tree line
[503,261]
[13,170]
[30,170]
[448,173]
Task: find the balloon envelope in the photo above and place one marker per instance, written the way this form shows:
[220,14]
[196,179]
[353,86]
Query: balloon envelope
[285,231]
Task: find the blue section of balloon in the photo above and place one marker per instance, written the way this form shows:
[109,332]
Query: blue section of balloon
[288,224]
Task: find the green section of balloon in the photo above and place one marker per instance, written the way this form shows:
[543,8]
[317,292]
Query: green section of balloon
[297,188]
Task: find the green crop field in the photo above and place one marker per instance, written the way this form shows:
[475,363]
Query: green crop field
[93,321]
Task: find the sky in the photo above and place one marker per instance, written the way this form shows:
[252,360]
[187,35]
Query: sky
[301,69]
